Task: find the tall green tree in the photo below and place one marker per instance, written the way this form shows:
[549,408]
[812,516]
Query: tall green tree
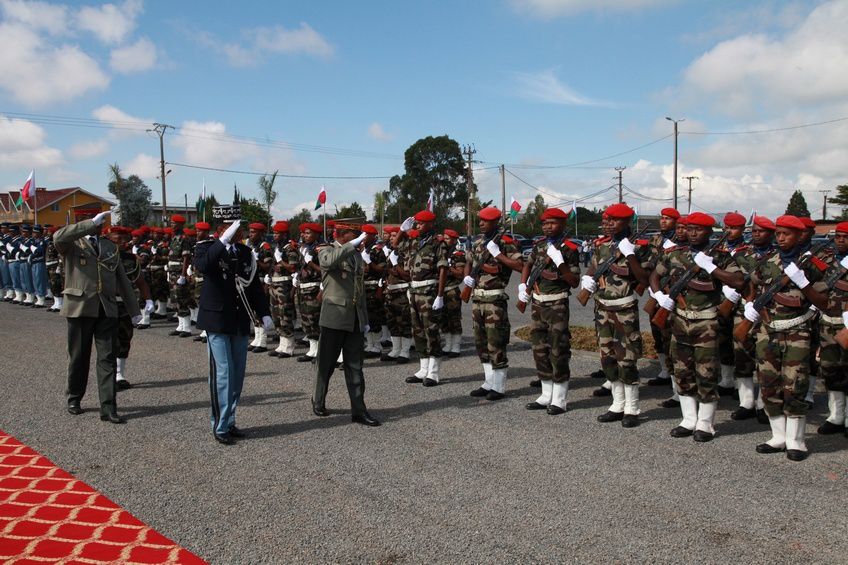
[353,212]
[302,217]
[841,199]
[267,192]
[133,197]
[381,201]
[797,205]
[252,210]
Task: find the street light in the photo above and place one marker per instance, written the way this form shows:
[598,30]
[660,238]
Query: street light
[675,156]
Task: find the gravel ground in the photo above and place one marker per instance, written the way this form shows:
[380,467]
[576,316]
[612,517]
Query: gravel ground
[447,478]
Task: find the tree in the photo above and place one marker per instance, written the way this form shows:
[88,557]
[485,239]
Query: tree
[431,163]
[381,200]
[133,197]
[797,205]
[204,207]
[302,217]
[267,192]
[236,195]
[351,212]
[253,211]
[841,199]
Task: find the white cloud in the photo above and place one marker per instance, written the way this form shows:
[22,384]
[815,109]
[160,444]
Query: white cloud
[262,41]
[144,165]
[554,8]
[140,56]
[51,18]
[23,146]
[110,23]
[545,87]
[88,149]
[376,131]
[206,144]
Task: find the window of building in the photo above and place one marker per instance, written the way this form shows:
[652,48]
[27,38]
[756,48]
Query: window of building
[54,207]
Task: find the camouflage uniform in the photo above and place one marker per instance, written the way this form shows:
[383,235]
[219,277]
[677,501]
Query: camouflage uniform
[281,292]
[427,256]
[125,326]
[374,297]
[726,344]
[179,248]
[159,252]
[397,310]
[662,337]
[833,361]
[54,272]
[309,280]
[452,317]
[264,256]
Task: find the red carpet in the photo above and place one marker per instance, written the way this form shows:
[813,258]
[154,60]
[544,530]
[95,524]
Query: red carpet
[48,516]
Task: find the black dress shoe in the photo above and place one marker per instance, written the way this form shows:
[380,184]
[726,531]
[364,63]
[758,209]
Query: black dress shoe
[479,392]
[702,437]
[656,381]
[185,334]
[670,403]
[766,448]
[536,383]
[320,410]
[430,382]
[225,439]
[725,390]
[681,431]
[386,343]
[796,454]
[272,353]
[198,338]
[599,374]
[112,418]
[601,391]
[74,408]
[386,357]
[401,360]
[829,428]
[284,355]
[365,419]
[123,384]
[762,417]
[495,395]
[629,421]
[535,406]
[250,348]
[175,333]
[413,380]
[611,416]
[743,413]
[235,431]
[555,410]
[373,354]
[140,326]
[305,358]
[260,349]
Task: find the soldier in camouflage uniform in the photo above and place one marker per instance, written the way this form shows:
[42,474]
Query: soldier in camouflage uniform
[374,260]
[617,316]
[815,337]
[141,249]
[833,362]
[281,290]
[783,342]
[264,255]
[427,264]
[495,260]
[54,272]
[397,298]
[158,272]
[179,259]
[452,317]
[559,260]
[307,280]
[734,227]
[694,322]
[202,234]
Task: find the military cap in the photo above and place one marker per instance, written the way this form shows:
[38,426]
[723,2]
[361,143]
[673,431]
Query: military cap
[168,231]
[311,226]
[425,216]
[391,229]
[489,214]
[734,220]
[763,222]
[178,219]
[842,226]
[670,212]
[258,226]
[202,226]
[190,232]
[13,227]
[807,221]
[138,233]
[281,227]
[26,227]
[368,228]
[683,220]
[700,219]
[620,211]
[788,221]
[554,214]
[37,228]
[451,233]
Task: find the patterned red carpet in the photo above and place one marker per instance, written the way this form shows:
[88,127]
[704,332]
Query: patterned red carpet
[48,516]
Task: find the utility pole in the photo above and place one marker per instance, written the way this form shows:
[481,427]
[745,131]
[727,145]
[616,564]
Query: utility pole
[675,156]
[620,196]
[689,207]
[503,191]
[469,152]
[824,203]
[160,131]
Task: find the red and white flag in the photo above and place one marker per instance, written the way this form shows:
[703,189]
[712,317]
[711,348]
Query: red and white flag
[322,198]
[28,189]
[431,201]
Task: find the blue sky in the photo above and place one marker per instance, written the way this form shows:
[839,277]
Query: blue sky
[343,88]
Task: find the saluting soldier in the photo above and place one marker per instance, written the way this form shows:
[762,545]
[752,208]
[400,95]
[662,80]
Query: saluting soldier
[307,280]
[397,298]
[264,256]
[734,227]
[281,290]
[452,318]
[619,335]
[374,260]
[489,315]
[694,322]
[559,261]
[663,241]
[783,342]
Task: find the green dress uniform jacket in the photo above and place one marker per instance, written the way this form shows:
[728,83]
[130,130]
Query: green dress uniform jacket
[344,291]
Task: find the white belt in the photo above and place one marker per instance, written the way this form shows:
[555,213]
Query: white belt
[421,284]
[451,287]
[51,263]
[175,263]
[549,297]
[480,293]
[305,286]
[156,267]
[624,301]
[707,314]
[782,325]
[399,286]
[372,284]
[832,320]
[280,278]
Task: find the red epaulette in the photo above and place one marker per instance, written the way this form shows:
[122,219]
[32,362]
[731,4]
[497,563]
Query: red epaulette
[601,240]
[819,264]
[570,244]
[507,239]
[459,252]
[670,249]
[642,242]
[265,245]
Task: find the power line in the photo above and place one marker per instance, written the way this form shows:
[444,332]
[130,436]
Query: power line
[772,130]
[578,164]
[645,196]
[233,171]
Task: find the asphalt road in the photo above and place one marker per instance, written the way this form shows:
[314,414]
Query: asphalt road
[447,478]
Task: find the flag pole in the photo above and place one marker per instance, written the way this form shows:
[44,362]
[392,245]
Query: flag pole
[324,206]
[34,200]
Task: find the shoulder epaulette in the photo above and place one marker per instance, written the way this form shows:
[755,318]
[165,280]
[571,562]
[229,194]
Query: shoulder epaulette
[601,240]
[642,242]
[265,245]
[570,244]
[819,264]
[507,239]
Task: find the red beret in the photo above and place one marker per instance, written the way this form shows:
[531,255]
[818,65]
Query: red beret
[311,226]
[190,232]
[554,214]
[178,218]
[683,220]
[670,212]
[791,222]
[281,227]
[734,220]
[425,216]
[138,233]
[842,226]
[489,214]
[368,228]
[763,222]
[331,223]
[202,226]
[700,219]
[620,211]
[145,229]
[807,221]
[391,229]
[257,226]
[119,229]
[451,233]
[168,231]
[412,234]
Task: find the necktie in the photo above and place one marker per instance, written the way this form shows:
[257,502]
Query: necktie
[94,244]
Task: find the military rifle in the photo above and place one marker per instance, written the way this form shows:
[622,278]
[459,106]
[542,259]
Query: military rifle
[584,295]
[484,256]
[538,266]
[726,308]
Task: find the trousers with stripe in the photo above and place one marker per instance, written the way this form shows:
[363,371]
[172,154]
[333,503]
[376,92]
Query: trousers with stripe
[227,362]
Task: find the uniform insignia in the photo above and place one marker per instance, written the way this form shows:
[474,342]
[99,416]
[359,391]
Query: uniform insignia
[570,244]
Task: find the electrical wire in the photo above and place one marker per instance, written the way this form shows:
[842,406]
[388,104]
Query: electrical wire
[772,130]
[283,175]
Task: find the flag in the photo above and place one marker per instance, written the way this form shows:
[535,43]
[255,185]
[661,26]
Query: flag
[751,217]
[514,208]
[28,189]
[572,215]
[431,201]
[201,202]
[322,198]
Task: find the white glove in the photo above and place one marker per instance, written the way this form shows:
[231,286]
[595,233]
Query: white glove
[227,236]
[190,270]
[267,279]
[181,281]
[136,319]
[627,249]
[100,218]
[148,306]
[844,262]
[267,323]
[295,282]
[668,243]
[393,258]
[493,248]
[358,239]
[522,293]
[438,303]
[33,248]
[307,258]
[407,224]
[555,255]
[845,319]
[664,300]
[814,308]
[730,294]
[796,275]
[366,256]
[469,281]
[751,313]
[705,262]
[588,283]
[278,256]
[9,247]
